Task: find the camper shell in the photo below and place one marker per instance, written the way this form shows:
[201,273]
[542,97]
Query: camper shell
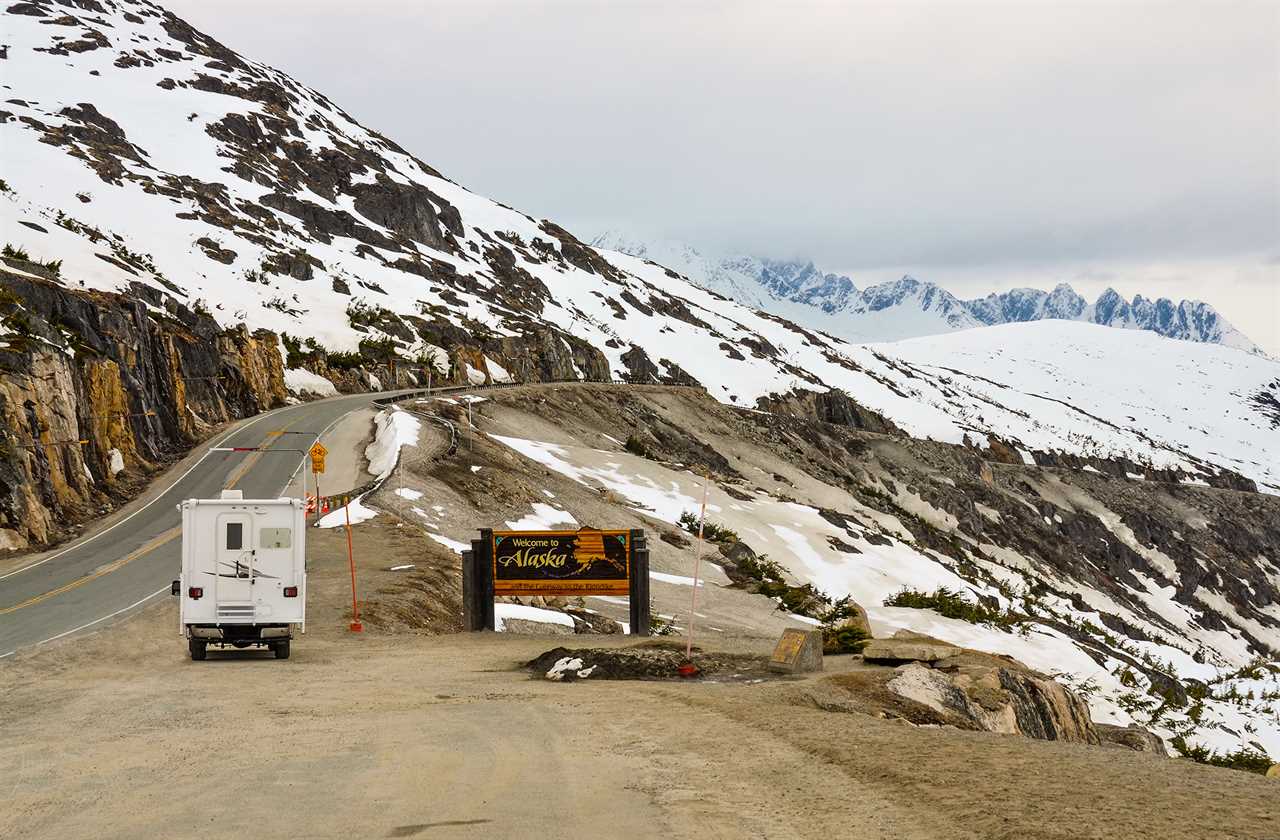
[244,577]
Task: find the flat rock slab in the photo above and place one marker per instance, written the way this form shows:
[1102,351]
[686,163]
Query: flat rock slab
[535,628]
[907,650]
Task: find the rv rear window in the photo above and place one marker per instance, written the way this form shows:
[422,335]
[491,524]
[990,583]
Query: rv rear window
[275,538]
[235,535]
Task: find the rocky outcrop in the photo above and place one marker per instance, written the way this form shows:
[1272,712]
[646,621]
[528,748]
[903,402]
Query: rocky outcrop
[1134,738]
[1005,700]
[833,406]
[98,390]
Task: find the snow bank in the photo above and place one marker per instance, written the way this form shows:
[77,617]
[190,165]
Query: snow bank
[544,518]
[453,545]
[396,428]
[303,381]
[337,517]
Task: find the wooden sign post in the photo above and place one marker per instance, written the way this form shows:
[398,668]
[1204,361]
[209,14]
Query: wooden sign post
[572,563]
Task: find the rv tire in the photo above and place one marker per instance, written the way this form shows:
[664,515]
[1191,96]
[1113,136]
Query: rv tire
[282,649]
[198,649]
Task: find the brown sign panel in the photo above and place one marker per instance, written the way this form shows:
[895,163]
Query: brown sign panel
[584,562]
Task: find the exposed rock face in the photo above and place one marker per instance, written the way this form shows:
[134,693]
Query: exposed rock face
[136,386]
[834,407]
[1000,700]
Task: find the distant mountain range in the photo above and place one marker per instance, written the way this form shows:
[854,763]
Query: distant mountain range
[909,308]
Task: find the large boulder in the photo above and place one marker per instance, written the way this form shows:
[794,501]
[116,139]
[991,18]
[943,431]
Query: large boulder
[1132,738]
[906,646]
[1274,772]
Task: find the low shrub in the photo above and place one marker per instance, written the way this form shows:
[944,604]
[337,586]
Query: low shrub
[710,530]
[950,603]
[1249,760]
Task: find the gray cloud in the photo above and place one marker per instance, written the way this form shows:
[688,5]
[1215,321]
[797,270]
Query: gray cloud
[949,139]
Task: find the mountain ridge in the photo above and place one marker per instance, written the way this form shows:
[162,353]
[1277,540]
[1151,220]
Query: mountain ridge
[762,282]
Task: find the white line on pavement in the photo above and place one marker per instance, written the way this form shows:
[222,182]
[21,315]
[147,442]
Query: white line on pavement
[91,623]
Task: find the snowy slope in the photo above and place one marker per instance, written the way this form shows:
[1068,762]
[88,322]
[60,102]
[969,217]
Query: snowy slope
[877,558]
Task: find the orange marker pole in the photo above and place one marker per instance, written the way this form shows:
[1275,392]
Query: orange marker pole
[356,626]
[697,559]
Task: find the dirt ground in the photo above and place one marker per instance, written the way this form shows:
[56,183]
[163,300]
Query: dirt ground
[120,735]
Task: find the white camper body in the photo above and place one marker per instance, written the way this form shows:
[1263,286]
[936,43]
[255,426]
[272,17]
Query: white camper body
[244,576]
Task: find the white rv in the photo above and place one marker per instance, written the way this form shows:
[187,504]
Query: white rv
[244,576]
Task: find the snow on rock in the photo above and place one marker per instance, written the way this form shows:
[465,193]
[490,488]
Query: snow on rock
[115,461]
[408,493]
[395,428]
[503,611]
[303,381]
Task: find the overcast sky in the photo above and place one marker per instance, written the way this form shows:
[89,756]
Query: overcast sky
[981,146]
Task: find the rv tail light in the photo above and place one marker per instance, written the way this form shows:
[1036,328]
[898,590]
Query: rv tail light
[291,592]
[195,592]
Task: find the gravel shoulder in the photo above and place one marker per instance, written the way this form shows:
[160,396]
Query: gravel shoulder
[119,735]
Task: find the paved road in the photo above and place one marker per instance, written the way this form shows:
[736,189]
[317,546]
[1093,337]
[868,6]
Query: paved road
[116,570]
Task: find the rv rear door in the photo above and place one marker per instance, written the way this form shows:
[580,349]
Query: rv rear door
[233,565]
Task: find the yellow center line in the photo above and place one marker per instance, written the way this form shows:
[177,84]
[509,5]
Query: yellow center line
[146,548]
[249,462]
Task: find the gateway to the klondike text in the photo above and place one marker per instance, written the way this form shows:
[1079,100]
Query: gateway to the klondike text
[579,563]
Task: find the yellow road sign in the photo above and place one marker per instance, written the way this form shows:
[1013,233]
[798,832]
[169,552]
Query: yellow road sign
[317,454]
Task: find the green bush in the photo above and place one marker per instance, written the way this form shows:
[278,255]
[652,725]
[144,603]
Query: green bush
[339,360]
[844,639]
[951,604]
[636,447]
[13,253]
[1249,760]
[761,568]
[710,530]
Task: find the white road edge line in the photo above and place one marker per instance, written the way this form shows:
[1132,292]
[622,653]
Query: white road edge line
[91,623]
[160,495]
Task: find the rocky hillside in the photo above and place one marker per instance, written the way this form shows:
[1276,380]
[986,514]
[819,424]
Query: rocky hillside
[908,307]
[98,390]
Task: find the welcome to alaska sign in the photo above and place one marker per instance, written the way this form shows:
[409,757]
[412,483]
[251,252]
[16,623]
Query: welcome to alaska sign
[584,562]
[589,561]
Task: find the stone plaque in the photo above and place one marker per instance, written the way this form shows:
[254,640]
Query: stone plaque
[797,652]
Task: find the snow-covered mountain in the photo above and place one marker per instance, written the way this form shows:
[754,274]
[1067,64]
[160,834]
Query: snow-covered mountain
[143,154]
[908,308]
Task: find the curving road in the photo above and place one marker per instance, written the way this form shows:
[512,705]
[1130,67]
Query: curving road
[117,569]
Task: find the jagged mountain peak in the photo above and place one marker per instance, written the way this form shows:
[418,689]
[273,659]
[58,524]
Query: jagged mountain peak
[910,307]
